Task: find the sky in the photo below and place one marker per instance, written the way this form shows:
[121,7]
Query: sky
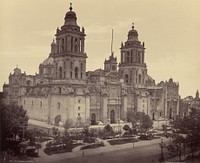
[169,28]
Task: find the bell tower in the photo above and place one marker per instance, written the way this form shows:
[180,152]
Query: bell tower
[132,66]
[70,56]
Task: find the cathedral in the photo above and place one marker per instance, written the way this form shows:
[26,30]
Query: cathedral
[64,91]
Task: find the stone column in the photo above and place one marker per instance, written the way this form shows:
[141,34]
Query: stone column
[83,45]
[87,108]
[104,107]
[123,112]
[49,118]
[121,57]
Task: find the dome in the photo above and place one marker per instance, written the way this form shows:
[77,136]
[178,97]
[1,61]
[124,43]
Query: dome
[17,71]
[70,17]
[48,61]
[133,34]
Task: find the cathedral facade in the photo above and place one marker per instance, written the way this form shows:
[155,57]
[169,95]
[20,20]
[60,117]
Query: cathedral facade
[63,90]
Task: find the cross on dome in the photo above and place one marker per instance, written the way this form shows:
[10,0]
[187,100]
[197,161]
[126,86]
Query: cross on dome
[70,8]
[132,25]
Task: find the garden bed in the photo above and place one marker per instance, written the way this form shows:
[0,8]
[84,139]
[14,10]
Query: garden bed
[60,149]
[122,141]
[92,146]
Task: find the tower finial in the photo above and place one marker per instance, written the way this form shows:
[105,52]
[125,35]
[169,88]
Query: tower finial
[132,25]
[70,8]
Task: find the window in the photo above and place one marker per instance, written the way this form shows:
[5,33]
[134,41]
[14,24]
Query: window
[40,103]
[79,108]
[139,61]
[76,72]
[79,101]
[62,45]
[71,64]
[24,102]
[60,72]
[71,74]
[71,44]
[76,45]
[81,75]
[59,90]
[139,78]
[32,103]
[126,78]
[28,82]
[131,56]
[58,105]
[79,114]
[81,66]
[113,68]
[127,57]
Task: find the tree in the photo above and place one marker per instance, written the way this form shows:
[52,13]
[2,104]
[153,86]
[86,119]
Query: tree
[13,118]
[189,128]
[140,118]
[88,135]
[66,140]
[176,146]
[68,124]
[108,128]
[127,128]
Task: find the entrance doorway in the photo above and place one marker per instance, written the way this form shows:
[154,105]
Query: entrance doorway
[153,116]
[112,116]
[170,113]
[93,119]
[57,120]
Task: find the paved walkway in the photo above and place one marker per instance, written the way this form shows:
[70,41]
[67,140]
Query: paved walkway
[78,153]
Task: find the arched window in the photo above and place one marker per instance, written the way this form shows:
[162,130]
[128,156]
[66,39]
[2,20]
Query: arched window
[126,78]
[28,82]
[131,56]
[139,61]
[128,57]
[63,44]
[71,74]
[81,66]
[113,68]
[71,64]
[49,70]
[140,78]
[112,116]
[60,72]
[59,90]
[76,45]
[76,72]
[71,44]
[93,119]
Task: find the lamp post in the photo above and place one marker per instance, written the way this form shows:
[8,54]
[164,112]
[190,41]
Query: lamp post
[162,145]
[23,130]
